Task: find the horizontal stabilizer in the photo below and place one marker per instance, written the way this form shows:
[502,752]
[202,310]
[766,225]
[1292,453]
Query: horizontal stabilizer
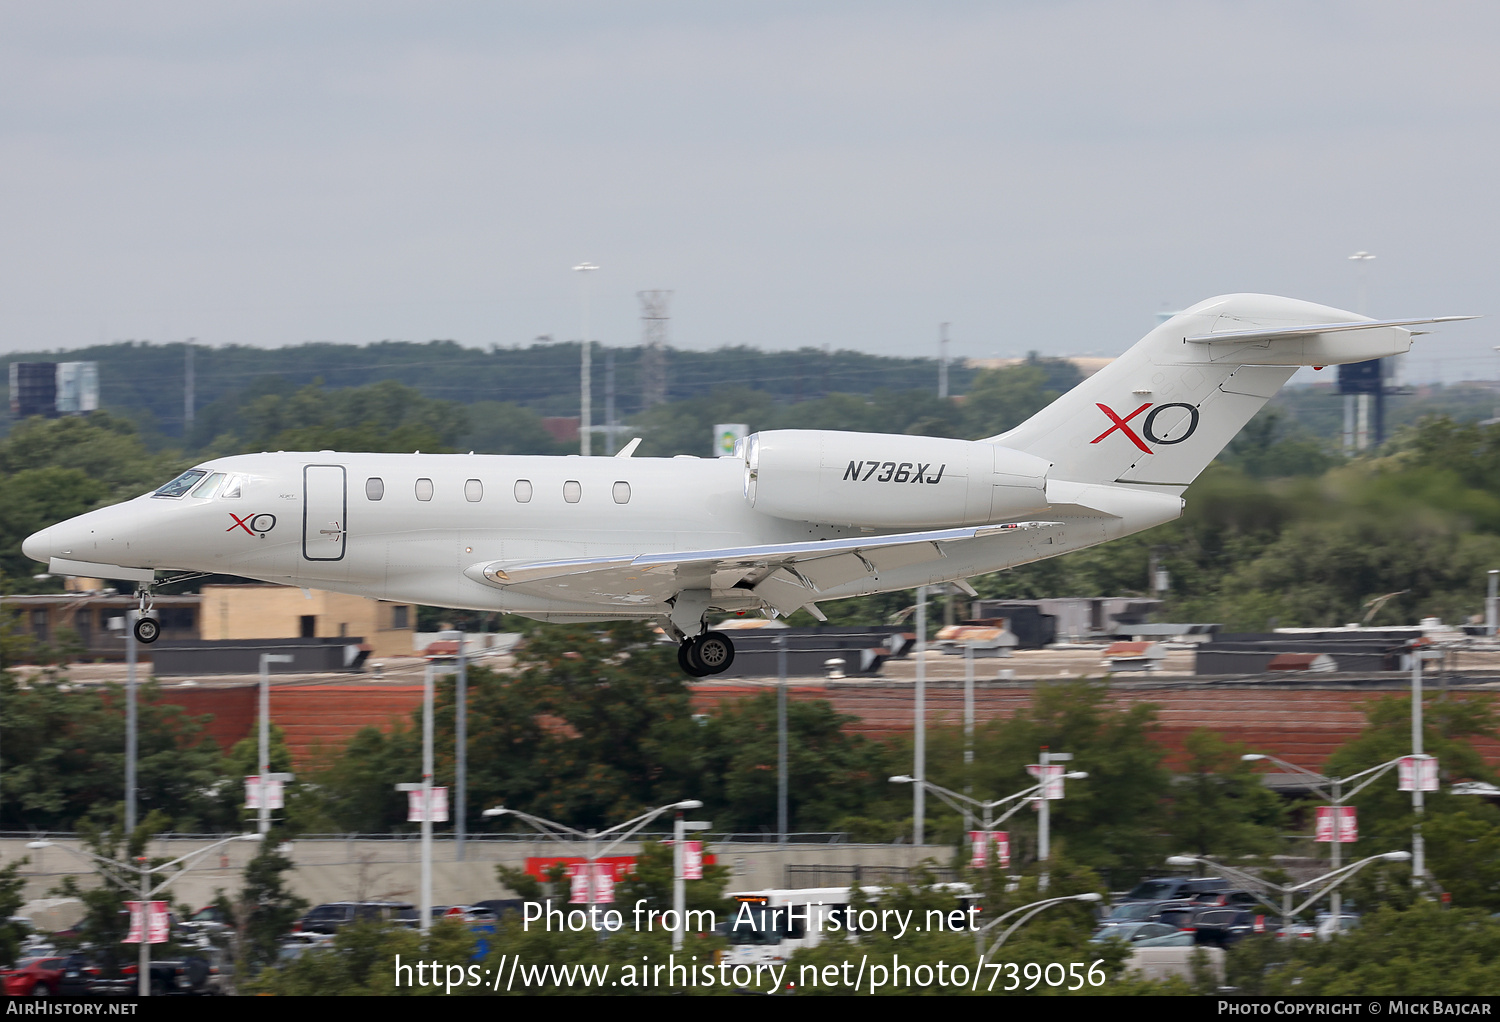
[1314,328]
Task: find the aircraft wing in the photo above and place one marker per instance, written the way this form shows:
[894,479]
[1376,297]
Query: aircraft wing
[784,575]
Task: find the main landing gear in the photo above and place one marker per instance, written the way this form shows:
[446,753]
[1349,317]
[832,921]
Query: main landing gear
[147,628]
[709,653]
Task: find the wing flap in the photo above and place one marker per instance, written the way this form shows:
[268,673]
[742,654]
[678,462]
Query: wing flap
[794,572]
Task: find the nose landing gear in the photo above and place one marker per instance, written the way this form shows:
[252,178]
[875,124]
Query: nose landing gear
[147,628]
[709,653]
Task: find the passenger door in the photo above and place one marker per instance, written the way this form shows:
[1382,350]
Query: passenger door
[325,507]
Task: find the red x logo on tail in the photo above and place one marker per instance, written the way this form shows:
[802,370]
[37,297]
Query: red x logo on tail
[1121,424]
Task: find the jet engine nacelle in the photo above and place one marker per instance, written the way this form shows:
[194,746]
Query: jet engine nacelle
[880,480]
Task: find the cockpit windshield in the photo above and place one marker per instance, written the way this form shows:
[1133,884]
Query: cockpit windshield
[183,483]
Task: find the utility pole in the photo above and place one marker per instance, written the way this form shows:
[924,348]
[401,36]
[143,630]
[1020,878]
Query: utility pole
[586,392]
[943,361]
[654,320]
[187,391]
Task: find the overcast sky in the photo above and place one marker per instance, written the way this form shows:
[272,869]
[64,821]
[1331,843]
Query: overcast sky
[1043,175]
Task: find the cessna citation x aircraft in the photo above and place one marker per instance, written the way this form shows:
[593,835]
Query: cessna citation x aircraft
[794,518]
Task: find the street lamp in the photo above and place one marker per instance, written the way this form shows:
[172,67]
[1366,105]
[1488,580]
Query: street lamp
[1338,797]
[1337,877]
[143,875]
[562,833]
[1035,907]
[953,798]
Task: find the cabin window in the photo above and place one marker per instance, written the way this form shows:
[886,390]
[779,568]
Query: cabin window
[572,491]
[424,489]
[233,488]
[374,488]
[473,491]
[177,487]
[622,492]
[209,485]
[523,491]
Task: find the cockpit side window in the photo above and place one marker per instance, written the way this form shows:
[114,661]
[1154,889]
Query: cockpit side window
[183,483]
[209,485]
[234,487]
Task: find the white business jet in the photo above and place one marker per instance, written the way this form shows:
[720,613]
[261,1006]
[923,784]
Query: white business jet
[796,517]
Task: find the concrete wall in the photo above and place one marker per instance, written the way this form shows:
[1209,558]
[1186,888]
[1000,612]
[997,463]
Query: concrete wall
[350,870]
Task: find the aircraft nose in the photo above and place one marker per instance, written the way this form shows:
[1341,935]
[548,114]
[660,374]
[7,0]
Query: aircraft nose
[38,546]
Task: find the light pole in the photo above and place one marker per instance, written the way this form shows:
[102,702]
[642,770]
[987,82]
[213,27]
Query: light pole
[1337,876]
[1337,797]
[1418,844]
[968,729]
[781,775]
[1034,907]
[425,788]
[680,827]
[561,833]
[1044,819]
[127,625]
[266,660]
[919,754]
[142,881]
[586,408]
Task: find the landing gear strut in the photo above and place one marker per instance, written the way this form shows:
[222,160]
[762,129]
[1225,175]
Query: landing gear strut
[709,653]
[147,628]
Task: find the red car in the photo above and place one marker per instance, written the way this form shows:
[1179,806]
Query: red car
[40,976]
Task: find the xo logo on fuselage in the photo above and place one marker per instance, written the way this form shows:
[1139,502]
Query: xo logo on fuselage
[253,524]
[1148,425]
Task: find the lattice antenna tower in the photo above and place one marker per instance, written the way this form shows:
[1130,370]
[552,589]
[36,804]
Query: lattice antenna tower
[654,320]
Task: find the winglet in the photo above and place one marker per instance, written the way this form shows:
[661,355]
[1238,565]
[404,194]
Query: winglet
[629,449]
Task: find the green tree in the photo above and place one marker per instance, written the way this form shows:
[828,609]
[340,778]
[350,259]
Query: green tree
[831,773]
[267,909]
[1459,828]
[1112,821]
[1416,951]
[1220,807]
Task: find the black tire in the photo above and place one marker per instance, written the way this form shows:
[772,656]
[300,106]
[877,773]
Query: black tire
[147,630]
[687,659]
[714,651]
[41,990]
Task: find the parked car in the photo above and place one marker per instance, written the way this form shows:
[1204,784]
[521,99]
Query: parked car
[1327,925]
[39,976]
[1226,925]
[1245,899]
[331,916]
[1132,932]
[1174,888]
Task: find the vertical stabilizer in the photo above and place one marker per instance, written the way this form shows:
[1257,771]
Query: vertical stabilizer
[1157,415]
